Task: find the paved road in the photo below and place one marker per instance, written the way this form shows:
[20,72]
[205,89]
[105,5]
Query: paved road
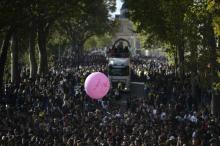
[137,89]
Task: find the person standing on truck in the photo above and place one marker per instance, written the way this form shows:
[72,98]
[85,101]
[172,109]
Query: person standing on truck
[120,46]
[126,49]
[119,49]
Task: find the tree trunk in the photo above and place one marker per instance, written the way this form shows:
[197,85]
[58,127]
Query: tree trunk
[80,52]
[194,77]
[43,63]
[218,40]
[175,59]
[2,43]
[193,58]
[81,48]
[3,58]
[215,106]
[32,59]
[181,61]
[15,75]
[215,103]
[213,54]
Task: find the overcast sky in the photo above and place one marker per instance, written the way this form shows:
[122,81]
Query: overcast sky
[118,6]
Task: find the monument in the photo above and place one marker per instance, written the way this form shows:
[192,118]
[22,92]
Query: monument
[126,29]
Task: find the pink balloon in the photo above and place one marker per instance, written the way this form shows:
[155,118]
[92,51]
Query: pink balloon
[97,85]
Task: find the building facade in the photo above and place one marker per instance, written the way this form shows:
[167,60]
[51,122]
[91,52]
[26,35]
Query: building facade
[126,30]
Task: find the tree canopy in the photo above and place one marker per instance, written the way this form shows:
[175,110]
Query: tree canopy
[38,22]
[186,25]
[190,30]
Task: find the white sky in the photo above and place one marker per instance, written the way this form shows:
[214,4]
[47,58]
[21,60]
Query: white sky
[118,7]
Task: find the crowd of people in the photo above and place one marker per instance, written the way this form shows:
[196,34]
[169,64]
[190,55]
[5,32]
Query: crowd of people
[119,51]
[54,110]
[88,58]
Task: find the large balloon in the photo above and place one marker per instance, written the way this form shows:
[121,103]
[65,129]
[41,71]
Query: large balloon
[97,85]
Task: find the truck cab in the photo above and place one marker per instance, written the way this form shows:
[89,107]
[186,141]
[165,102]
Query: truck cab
[119,68]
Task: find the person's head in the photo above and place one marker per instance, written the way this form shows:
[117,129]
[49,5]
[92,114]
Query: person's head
[213,142]
[120,45]
[124,143]
[137,141]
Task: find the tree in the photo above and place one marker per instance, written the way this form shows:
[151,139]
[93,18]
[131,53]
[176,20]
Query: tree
[213,7]
[46,14]
[166,22]
[12,16]
[14,59]
[189,27]
[36,18]
[32,43]
[4,53]
[100,41]
[88,20]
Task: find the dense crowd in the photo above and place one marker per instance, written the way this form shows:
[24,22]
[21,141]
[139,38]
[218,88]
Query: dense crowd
[54,110]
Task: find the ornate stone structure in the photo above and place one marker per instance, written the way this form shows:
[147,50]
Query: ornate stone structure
[126,30]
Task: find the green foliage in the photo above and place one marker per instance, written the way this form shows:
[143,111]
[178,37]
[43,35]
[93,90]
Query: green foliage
[91,19]
[216,86]
[8,68]
[57,43]
[164,18]
[98,41]
[144,40]
[91,43]
[176,25]
[216,23]
[46,19]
